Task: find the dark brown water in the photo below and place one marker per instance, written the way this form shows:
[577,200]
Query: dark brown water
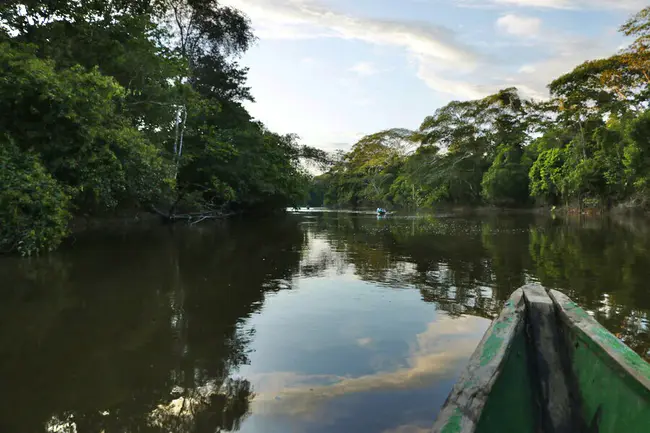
[313,322]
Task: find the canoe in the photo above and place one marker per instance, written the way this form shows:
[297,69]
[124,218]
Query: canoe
[545,365]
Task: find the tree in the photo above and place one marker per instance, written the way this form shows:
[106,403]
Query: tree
[71,119]
[120,38]
[584,147]
[472,132]
[364,175]
[33,205]
[636,159]
[637,55]
[138,105]
[506,181]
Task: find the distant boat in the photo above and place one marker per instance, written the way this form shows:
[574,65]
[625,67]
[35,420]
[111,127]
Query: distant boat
[545,365]
[381,211]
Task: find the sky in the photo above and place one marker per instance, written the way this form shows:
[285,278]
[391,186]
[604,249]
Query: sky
[333,71]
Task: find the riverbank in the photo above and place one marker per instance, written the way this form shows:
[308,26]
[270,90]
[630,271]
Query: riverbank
[80,224]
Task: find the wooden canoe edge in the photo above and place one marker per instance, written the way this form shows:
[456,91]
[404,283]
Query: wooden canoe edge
[464,405]
[620,355]
[551,368]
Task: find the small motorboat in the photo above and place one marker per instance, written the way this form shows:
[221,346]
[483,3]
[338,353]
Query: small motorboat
[381,211]
[545,365]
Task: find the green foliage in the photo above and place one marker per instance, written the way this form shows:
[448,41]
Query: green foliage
[365,175]
[547,175]
[317,190]
[636,158]
[33,205]
[505,183]
[71,119]
[587,146]
[130,105]
[138,105]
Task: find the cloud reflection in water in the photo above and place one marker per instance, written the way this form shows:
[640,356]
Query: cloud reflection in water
[435,357]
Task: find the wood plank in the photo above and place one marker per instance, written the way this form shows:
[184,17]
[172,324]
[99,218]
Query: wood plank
[512,403]
[550,368]
[463,408]
[578,319]
[613,381]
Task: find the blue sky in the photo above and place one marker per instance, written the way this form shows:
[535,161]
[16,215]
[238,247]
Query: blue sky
[335,70]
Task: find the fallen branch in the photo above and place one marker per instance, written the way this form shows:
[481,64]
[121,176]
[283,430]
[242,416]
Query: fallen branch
[202,219]
[192,218]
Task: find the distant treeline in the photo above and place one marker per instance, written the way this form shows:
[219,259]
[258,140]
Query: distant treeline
[113,105]
[589,145]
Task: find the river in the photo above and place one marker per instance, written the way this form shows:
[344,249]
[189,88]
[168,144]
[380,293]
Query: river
[316,322]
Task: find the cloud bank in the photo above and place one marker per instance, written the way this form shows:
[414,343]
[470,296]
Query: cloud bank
[299,19]
[442,60]
[573,4]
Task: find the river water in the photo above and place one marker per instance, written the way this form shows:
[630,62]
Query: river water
[316,322]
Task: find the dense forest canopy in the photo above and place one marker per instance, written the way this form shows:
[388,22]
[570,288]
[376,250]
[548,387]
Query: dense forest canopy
[118,105]
[114,106]
[588,145]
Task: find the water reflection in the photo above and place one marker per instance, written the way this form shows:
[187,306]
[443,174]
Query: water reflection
[433,358]
[137,332]
[471,265]
[318,322]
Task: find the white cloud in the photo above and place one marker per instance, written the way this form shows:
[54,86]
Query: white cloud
[300,19]
[519,25]
[457,88]
[555,4]
[363,342]
[444,63]
[310,63]
[363,102]
[364,69]
[567,53]
[575,4]
[303,18]
[468,86]
[527,69]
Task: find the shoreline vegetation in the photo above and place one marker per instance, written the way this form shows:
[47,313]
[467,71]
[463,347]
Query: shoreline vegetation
[488,209]
[114,106]
[131,107]
[584,151]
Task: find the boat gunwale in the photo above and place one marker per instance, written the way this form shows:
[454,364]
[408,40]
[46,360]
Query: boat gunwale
[464,406]
[610,349]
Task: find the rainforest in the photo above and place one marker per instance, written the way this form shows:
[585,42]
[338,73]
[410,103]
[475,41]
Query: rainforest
[126,107]
[587,146]
[116,107]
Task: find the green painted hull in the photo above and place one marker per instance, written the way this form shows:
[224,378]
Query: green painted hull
[545,365]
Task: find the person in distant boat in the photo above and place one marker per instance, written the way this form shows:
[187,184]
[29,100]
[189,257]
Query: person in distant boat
[381,211]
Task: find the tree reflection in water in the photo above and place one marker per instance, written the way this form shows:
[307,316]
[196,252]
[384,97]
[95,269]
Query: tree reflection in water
[138,331]
[141,331]
[210,411]
[471,265]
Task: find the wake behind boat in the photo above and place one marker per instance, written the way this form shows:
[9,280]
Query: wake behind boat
[545,365]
